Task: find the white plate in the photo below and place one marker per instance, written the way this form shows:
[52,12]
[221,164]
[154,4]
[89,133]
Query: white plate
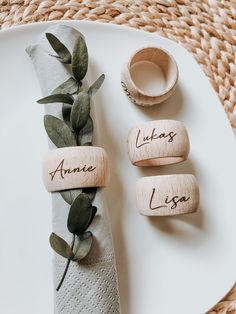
[166,265]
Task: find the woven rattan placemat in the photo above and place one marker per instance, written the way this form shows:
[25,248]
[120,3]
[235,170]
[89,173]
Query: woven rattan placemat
[207,28]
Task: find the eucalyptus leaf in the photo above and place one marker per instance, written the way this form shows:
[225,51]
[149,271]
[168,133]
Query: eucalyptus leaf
[64,98]
[59,132]
[63,54]
[80,214]
[66,110]
[82,246]
[91,192]
[60,246]
[96,85]
[94,211]
[79,59]
[70,86]
[70,195]
[86,134]
[80,111]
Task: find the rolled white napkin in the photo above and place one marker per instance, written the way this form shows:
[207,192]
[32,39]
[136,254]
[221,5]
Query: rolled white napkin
[90,285]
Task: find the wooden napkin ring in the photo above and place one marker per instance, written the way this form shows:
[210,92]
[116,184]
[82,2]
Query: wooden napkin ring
[167,195]
[75,167]
[157,143]
[154,56]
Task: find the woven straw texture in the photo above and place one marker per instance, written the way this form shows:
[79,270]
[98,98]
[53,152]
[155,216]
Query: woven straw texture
[207,28]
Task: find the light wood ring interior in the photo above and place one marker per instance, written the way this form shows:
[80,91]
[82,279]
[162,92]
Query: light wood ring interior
[159,161]
[161,58]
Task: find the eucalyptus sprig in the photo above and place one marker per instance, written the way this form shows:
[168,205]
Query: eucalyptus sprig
[75,129]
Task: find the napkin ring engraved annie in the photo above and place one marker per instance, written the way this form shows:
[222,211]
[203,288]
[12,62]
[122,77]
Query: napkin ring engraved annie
[150,76]
[75,167]
[157,143]
[167,195]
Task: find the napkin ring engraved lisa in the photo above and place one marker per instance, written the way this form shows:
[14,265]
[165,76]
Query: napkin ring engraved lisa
[157,143]
[75,167]
[167,195]
[155,56]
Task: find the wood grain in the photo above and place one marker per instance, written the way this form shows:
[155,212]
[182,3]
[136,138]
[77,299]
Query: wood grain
[167,195]
[75,167]
[157,143]
[155,56]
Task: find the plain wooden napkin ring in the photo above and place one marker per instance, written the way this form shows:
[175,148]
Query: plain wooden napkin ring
[167,195]
[157,56]
[157,143]
[75,167]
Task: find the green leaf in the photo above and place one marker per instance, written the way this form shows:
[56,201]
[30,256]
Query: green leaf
[56,98]
[60,246]
[59,132]
[70,86]
[80,111]
[86,134]
[79,59]
[63,54]
[94,209]
[80,214]
[66,110]
[96,85]
[82,246]
[70,195]
[91,192]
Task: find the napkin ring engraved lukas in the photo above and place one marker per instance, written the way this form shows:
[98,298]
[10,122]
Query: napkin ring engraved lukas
[167,195]
[75,167]
[157,143]
[161,64]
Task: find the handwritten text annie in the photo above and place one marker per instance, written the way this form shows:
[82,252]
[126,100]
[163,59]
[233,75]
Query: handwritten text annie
[62,171]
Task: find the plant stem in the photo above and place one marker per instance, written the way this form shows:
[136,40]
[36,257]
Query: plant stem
[64,275]
[67,266]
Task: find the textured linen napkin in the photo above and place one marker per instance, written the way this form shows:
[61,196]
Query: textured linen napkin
[90,285]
